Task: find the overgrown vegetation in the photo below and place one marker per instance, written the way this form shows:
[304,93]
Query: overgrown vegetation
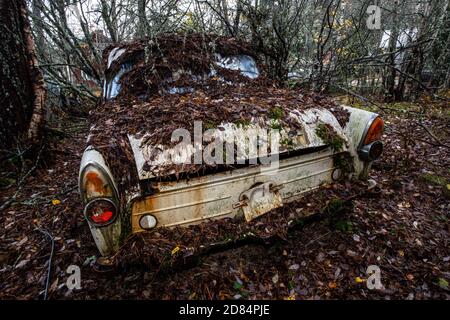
[323,45]
[330,136]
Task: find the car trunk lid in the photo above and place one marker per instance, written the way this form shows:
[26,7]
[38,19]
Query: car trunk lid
[301,132]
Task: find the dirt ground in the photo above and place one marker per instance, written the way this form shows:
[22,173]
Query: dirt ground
[404,231]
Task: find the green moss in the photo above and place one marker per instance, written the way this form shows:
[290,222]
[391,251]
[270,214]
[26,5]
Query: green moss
[242,123]
[345,162]
[275,125]
[404,106]
[443,283]
[6,182]
[433,179]
[209,125]
[291,285]
[276,113]
[330,137]
[344,226]
[15,161]
[337,143]
[335,205]
[237,286]
[322,131]
[288,142]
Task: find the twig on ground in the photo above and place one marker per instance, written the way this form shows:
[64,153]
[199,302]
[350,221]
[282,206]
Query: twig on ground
[13,199]
[432,135]
[49,270]
[45,200]
[364,99]
[317,239]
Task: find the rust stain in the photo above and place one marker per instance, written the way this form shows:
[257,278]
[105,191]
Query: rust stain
[94,182]
[153,203]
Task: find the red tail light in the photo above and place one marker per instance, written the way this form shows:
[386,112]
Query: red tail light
[102,217]
[101,212]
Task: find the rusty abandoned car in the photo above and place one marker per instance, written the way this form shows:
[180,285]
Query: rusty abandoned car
[130,181]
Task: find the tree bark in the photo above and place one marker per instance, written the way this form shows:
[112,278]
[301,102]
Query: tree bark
[22,84]
[38,25]
[391,60]
[142,23]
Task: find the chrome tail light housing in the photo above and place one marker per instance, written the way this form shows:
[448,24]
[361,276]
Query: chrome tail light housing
[372,151]
[101,212]
[371,147]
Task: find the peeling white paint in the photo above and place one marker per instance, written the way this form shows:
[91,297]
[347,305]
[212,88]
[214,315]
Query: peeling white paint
[158,157]
[310,120]
[115,54]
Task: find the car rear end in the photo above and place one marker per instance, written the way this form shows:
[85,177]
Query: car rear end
[244,193]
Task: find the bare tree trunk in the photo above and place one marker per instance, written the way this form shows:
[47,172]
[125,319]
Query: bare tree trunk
[391,68]
[237,18]
[109,15]
[142,26]
[22,84]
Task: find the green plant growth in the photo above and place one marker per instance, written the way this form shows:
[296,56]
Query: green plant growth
[345,162]
[275,125]
[242,123]
[433,179]
[443,283]
[288,142]
[6,182]
[439,181]
[344,226]
[330,136]
[276,113]
[335,206]
[209,125]
[334,212]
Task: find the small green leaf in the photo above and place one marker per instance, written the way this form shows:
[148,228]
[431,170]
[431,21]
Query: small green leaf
[237,285]
[443,283]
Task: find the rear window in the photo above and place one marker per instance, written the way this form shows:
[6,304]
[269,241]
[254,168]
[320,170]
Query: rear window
[112,87]
[243,63]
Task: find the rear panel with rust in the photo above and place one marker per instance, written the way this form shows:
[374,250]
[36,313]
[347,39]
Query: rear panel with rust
[220,195]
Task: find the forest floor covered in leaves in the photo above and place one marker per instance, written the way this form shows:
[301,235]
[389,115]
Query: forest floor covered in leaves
[405,231]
